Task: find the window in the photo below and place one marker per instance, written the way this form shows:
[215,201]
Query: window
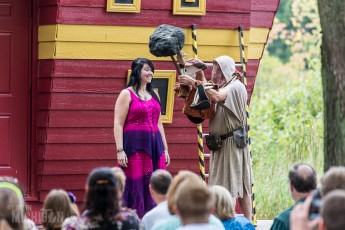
[125,6]
[189,7]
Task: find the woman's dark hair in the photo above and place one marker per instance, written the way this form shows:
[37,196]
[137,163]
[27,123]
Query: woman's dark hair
[134,79]
[102,195]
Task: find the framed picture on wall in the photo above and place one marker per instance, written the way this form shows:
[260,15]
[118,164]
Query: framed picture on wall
[163,83]
[189,7]
[124,6]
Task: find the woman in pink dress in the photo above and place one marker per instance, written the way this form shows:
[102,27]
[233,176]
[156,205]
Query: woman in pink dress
[139,136]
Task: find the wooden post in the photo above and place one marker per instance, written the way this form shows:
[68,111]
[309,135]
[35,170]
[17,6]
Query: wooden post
[199,126]
[244,79]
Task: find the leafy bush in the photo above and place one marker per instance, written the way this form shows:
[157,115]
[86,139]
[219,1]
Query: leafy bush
[286,127]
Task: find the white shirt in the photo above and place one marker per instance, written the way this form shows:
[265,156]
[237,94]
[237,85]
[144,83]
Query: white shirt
[156,215]
[205,226]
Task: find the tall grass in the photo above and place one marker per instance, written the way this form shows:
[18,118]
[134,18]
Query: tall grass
[286,128]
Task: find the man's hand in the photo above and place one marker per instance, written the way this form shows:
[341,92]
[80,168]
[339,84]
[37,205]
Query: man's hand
[299,217]
[186,80]
[197,63]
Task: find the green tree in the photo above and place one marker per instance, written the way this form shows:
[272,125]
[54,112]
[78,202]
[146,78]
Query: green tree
[295,38]
[333,78]
[287,109]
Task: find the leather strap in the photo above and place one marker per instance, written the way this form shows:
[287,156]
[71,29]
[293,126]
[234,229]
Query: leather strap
[229,134]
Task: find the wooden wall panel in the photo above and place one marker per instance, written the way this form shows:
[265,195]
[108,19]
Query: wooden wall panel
[265,5]
[82,85]
[93,151]
[61,68]
[48,14]
[211,5]
[93,119]
[98,16]
[48,2]
[71,167]
[76,97]
[71,175]
[255,14]
[92,68]
[262,19]
[103,135]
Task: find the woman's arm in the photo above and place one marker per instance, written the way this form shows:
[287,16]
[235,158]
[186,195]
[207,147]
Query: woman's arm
[120,115]
[161,130]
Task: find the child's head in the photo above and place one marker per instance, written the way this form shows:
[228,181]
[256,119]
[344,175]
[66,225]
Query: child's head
[224,207]
[56,208]
[120,177]
[193,202]
[160,181]
[182,175]
[102,194]
[12,205]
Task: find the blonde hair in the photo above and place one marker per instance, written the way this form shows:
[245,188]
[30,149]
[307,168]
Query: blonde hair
[177,180]
[333,179]
[193,201]
[224,204]
[120,177]
[56,208]
[11,209]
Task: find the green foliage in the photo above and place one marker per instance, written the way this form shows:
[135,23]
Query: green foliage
[286,128]
[287,109]
[297,28]
[284,12]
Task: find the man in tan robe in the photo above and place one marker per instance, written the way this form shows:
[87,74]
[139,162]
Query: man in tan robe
[230,166]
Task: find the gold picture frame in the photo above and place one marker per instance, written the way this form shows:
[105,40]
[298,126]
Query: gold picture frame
[164,80]
[112,6]
[179,9]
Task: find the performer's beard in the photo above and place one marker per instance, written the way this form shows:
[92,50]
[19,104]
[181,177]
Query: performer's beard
[218,78]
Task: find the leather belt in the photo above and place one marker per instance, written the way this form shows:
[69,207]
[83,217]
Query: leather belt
[229,134]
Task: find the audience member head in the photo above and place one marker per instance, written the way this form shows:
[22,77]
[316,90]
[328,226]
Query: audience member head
[160,181]
[11,203]
[120,177]
[182,175]
[333,210]
[56,208]
[333,179]
[193,202]
[224,207]
[74,207]
[302,179]
[102,194]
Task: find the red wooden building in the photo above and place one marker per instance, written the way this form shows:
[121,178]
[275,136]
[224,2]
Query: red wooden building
[63,63]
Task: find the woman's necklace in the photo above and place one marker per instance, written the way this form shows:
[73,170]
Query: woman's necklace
[143,94]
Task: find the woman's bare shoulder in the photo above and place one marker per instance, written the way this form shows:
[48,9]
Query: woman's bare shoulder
[125,92]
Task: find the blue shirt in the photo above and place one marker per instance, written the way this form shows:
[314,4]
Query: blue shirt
[238,223]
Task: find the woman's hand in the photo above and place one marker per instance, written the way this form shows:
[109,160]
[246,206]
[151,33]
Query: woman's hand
[186,80]
[122,159]
[167,157]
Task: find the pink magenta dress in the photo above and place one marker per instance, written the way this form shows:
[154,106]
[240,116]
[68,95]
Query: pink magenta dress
[142,142]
